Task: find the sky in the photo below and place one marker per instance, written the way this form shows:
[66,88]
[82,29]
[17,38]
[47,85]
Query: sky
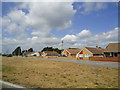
[40,24]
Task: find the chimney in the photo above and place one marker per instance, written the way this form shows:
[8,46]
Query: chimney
[97,47]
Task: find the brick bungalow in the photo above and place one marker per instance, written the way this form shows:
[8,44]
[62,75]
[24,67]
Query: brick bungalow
[87,52]
[70,52]
[112,50]
[49,53]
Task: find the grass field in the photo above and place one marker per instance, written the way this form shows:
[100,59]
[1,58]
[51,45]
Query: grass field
[38,73]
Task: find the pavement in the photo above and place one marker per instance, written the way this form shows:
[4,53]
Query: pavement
[5,85]
[85,62]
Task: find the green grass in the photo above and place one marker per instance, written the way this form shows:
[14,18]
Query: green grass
[64,83]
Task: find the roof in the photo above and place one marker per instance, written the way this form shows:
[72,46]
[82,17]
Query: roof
[28,53]
[99,48]
[40,52]
[113,47]
[94,50]
[73,51]
[51,53]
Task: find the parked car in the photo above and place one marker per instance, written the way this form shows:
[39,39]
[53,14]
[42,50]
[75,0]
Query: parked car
[34,55]
[62,56]
[4,54]
[9,55]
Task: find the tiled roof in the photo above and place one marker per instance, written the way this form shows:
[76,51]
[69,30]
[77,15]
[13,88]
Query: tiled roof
[113,47]
[51,53]
[28,53]
[73,51]
[94,50]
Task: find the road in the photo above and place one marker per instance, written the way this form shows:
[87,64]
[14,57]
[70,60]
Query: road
[4,85]
[85,62]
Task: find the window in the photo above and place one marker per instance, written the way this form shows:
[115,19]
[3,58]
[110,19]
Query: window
[81,55]
[87,55]
[115,55]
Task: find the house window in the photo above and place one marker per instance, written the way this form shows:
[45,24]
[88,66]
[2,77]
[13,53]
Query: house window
[110,54]
[81,55]
[87,55]
[115,55]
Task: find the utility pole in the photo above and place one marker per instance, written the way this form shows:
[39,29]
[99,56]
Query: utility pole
[7,51]
[62,44]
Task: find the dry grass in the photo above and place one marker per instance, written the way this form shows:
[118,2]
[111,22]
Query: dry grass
[0,67]
[54,74]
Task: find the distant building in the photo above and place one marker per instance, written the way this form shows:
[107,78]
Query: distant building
[112,50]
[87,52]
[49,53]
[70,52]
[32,54]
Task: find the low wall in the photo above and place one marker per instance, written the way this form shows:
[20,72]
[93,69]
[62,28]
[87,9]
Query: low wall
[112,59]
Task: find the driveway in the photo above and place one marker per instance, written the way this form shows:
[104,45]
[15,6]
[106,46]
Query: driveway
[85,62]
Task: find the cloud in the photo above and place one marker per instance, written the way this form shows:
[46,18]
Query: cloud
[101,39]
[37,43]
[16,16]
[56,15]
[69,38]
[84,33]
[30,25]
[88,7]
[60,0]
[87,38]
[75,41]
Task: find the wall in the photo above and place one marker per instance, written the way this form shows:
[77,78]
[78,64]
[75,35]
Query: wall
[65,52]
[85,51]
[56,57]
[112,59]
[73,55]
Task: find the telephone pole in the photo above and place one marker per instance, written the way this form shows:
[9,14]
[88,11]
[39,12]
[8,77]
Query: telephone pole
[62,44]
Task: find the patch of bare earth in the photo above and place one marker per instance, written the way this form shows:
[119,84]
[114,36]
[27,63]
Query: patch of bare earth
[40,73]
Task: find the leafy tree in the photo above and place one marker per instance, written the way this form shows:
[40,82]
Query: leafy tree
[30,50]
[24,51]
[57,50]
[47,49]
[73,48]
[17,51]
[51,49]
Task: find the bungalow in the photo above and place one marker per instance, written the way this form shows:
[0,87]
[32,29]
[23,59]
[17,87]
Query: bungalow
[70,52]
[87,52]
[112,50]
[31,54]
[49,53]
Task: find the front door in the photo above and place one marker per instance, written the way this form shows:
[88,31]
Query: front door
[81,56]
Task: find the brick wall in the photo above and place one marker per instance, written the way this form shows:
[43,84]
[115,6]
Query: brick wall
[112,59]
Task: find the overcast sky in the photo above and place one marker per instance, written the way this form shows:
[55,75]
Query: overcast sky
[40,24]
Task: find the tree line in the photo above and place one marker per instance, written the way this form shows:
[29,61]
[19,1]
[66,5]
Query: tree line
[18,50]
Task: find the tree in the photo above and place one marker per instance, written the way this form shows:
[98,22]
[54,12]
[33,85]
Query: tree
[24,51]
[73,48]
[30,50]
[51,49]
[17,51]
[57,50]
[47,49]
